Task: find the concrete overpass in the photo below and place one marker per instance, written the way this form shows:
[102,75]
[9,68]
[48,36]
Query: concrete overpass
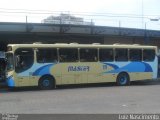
[51,33]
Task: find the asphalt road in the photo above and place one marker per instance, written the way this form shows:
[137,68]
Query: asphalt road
[141,97]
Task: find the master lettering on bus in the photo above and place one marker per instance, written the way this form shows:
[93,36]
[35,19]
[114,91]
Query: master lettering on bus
[78,68]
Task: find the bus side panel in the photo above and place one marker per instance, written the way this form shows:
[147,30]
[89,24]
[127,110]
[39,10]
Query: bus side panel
[136,70]
[84,72]
[39,70]
[140,75]
[22,80]
[93,72]
[105,75]
[73,73]
[55,71]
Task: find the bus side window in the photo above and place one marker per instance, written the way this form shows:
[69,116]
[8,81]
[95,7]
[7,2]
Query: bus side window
[68,55]
[121,54]
[47,55]
[135,54]
[106,55]
[148,55]
[88,55]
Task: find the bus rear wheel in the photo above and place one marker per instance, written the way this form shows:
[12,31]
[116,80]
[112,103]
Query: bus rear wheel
[46,83]
[123,79]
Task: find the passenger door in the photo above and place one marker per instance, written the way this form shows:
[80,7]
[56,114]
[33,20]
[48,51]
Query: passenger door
[24,62]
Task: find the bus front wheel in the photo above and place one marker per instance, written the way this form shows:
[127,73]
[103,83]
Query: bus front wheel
[123,79]
[46,83]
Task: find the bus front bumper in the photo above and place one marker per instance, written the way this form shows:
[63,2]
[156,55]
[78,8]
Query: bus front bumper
[10,82]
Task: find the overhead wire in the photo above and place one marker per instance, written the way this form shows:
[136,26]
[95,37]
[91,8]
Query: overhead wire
[95,14]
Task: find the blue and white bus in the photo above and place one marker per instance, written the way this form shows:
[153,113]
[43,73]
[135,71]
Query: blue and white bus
[49,65]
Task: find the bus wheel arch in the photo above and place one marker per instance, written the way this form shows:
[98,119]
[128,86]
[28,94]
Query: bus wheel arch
[123,79]
[46,82]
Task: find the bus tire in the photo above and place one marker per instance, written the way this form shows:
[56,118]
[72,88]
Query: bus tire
[46,83]
[123,79]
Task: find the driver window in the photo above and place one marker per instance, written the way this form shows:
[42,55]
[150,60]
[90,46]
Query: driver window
[24,59]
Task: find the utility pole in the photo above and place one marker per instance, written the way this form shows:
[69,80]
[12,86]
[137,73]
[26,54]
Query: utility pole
[142,13]
[119,24]
[26,19]
[145,34]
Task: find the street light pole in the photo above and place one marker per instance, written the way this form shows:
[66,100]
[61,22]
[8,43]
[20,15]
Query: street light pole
[146,38]
[145,34]
[26,19]
[119,23]
[142,14]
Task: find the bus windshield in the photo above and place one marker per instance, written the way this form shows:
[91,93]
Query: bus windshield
[10,63]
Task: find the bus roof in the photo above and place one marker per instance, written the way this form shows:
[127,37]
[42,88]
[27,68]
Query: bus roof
[75,45]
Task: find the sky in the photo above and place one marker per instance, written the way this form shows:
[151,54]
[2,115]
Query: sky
[121,13]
